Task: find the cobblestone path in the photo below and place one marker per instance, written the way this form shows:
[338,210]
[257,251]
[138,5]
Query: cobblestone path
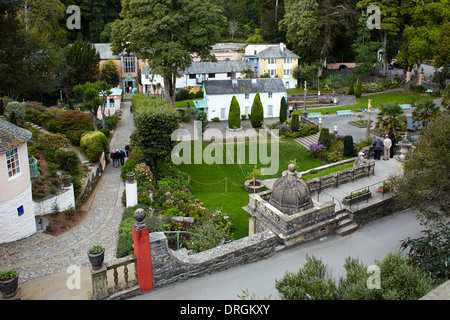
[40,254]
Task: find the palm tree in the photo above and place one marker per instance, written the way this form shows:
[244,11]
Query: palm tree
[425,111]
[390,119]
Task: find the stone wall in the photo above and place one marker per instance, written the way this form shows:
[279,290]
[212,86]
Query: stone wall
[333,180]
[89,186]
[170,266]
[63,200]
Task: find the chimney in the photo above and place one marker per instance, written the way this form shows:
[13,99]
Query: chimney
[233,73]
[282,47]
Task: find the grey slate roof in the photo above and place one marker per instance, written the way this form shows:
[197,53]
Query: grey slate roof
[217,67]
[104,49]
[275,52]
[12,136]
[244,86]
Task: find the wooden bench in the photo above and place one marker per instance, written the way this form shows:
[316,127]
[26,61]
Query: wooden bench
[314,115]
[344,113]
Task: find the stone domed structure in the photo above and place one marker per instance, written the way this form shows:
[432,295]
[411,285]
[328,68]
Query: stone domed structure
[289,211]
[290,194]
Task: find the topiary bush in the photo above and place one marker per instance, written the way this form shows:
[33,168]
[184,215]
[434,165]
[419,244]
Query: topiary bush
[93,143]
[358,90]
[324,137]
[283,110]
[349,149]
[234,115]
[351,89]
[295,123]
[257,112]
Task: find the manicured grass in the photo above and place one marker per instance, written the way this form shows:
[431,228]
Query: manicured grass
[183,104]
[399,97]
[324,172]
[221,186]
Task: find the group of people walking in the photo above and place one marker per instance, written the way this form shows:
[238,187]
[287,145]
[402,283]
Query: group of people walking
[387,144]
[118,156]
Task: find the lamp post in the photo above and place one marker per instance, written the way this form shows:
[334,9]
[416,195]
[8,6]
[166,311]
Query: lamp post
[369,111]
[305,113]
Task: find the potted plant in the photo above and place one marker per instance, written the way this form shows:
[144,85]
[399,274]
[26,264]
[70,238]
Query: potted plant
[96,256]
[357,196]
[384,188]
[254,184]
[9,281]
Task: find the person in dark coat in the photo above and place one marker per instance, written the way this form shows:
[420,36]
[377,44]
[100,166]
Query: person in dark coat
[127,150]
[378,144]
[113,159]
[394,140]
[117,157]
[122,157]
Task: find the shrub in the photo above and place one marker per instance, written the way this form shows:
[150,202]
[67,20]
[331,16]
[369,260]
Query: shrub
[348,146]
[16,108]
[93,143]
[324,138]
[74,120]
[234,115]
[283,110]
[68,160]
[316,150]
[358,90]
[312,282]
[295,124]
[52,141]
[257,112]
[351,89]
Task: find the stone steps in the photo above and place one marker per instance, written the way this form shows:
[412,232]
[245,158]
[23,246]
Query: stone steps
[345,225]
[308,140]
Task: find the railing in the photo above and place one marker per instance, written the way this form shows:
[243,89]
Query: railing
[368,189]
[128,283]
[100,289]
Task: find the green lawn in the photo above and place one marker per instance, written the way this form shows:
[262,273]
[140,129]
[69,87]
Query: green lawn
[183,104]
[400,97]
[221,186]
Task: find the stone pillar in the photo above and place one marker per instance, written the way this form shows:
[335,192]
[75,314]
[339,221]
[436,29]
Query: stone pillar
[405,148]
[141,241]
[131,190]
[320,123]
[99,283]
[408,75]
[421,76]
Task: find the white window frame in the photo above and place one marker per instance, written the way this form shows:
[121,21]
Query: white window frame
[272,61]
[13,163]
[129,64]
[270,95]
[247,96]
[273,72]
[287,60]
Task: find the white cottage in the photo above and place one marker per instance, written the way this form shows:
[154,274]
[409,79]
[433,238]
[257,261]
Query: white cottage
[218,95]
[17,219]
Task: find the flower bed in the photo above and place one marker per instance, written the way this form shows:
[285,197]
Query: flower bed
[356,197]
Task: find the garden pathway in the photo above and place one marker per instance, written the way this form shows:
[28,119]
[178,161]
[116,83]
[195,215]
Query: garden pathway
[41,255]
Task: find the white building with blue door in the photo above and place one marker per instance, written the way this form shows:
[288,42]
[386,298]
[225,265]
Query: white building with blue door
[218,95]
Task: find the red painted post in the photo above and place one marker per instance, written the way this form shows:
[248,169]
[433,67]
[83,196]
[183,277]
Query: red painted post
[141,240]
